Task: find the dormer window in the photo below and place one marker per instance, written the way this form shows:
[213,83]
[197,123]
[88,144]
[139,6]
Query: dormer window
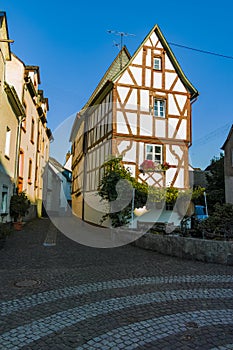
[157,63]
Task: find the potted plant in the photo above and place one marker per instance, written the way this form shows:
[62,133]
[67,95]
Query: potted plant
[19,206]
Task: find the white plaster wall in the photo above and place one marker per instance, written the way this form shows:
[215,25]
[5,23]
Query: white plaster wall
[175,150]
[182,133]
[172,123]
[146,125]
[160,128]
[125,79]
[141,153]
[179,86]
[168,64]
[157,80]
[121,126]
[122,91]
[179,183]
[138,58]
[172,108]
[137,73]
[144,96]
[148,58]
[169,79]
[130,155]
[132,101]
[15,75]
[147,77]
[132,119]
[181,99]
[154,38]
[170,158]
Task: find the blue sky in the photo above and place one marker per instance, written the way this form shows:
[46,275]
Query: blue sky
[71,45]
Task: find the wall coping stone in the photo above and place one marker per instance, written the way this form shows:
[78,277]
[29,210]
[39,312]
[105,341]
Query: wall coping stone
[220,252]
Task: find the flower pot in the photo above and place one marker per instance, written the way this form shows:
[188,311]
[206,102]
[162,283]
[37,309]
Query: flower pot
[18,225]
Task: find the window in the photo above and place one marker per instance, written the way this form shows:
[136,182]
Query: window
[154,153]
[30,171]
[36,177]
[8,142]
[4,199]
[32,130]
[21,167]
[157,63]
[159,108]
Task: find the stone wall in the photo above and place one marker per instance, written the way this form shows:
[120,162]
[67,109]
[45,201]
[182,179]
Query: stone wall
[220,252]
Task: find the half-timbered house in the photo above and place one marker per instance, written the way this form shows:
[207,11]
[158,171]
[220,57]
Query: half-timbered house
[141,110]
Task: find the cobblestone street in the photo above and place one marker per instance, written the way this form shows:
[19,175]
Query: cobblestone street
[70,296]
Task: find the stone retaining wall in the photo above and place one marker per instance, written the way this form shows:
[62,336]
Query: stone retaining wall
[220,252]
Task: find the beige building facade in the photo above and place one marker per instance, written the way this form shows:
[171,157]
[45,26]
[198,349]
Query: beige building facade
[24,145]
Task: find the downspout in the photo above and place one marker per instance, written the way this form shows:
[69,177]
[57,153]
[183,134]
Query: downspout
[191,102]
[18,139]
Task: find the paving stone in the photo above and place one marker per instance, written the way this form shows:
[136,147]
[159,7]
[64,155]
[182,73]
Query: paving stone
[89,298]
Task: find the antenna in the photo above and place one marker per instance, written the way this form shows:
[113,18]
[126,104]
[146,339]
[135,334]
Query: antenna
[121,34]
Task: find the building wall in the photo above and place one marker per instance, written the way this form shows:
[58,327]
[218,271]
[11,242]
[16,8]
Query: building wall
[228,169]
[136,123]
[132,124]
[9,130]
[34,142]
[96,128]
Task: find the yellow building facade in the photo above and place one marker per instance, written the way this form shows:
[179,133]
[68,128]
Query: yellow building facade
[24,145]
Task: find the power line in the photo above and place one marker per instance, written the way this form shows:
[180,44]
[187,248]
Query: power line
[202,51]
[212,135]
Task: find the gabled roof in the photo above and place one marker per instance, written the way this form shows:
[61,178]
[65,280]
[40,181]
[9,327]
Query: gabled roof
[228,137]
[120,61]
[194,93]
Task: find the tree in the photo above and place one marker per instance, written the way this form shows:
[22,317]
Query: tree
[116,187]
[215,189]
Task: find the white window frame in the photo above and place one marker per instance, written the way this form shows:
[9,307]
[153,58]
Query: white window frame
[154,155]
[8,142]
[157,63]
[159,108]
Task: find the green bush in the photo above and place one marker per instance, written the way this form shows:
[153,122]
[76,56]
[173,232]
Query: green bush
[220,223]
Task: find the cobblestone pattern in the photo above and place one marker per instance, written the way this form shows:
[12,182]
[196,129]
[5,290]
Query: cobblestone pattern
[122,298]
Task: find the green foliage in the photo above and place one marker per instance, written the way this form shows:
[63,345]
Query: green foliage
[114,171]
[220,222]
[19,206]
[117,185]
[216,186]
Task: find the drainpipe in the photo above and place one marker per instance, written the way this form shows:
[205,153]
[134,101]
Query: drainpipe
[17,153]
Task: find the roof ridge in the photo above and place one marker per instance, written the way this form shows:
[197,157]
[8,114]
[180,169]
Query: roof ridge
[105,78]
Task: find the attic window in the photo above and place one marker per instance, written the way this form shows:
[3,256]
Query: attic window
[157,63]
